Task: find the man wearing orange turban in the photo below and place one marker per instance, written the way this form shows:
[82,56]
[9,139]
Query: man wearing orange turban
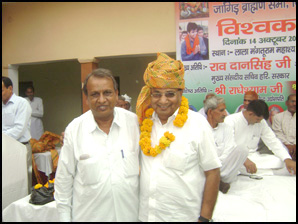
[179,166]
[161,73]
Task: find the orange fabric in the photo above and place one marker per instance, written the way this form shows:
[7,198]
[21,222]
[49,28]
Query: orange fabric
[164,72]
[47,141]
[190,49]
[55,157]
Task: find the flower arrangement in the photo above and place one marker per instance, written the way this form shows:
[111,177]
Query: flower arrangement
[167,138]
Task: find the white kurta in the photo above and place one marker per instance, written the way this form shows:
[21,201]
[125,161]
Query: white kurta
[249,136]
[284,126]
[172,183]
[231,156]
[98,174]
[36,128]
[202,111]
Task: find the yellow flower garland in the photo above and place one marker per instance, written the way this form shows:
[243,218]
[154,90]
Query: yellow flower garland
[37,186]
[164,141]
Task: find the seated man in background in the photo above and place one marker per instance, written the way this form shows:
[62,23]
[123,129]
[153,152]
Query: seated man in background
[202,110]
[284,125]
[249,127]
[127,100]
[231,156]
[121,102]
[248,97]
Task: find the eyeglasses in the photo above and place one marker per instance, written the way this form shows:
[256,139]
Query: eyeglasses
[167,95]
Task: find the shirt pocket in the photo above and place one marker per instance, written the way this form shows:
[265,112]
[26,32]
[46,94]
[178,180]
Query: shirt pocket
[179,157]
[131,163]
[89,170]
[253,143]
[8,119]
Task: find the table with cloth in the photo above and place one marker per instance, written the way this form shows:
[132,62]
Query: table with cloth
[45,155]
[44,161]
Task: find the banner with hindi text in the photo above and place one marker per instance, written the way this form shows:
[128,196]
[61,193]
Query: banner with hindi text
[250,46]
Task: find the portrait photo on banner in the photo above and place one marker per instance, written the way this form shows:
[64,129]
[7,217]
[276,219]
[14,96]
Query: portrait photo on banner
[194,40]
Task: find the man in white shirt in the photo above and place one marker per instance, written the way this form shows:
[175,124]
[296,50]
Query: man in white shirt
[231,156]
[16,115]
[248,97]
[36,128]
[179,165]
[202,110]
[98,171]
[284,125]
[249,127]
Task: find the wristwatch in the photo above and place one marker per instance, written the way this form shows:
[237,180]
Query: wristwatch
[203,219]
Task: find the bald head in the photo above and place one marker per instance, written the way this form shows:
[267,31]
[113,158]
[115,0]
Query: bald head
[248,97]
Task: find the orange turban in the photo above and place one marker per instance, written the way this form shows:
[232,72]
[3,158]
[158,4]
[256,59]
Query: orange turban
[164,72]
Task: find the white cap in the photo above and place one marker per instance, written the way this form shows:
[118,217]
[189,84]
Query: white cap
[127,98]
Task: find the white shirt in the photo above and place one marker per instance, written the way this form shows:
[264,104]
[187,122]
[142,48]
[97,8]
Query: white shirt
[16,116]
[224,140]
[249,135]
[284,126]
[202,111]
[172,183]
[105,186]
[239,108]
[36,128]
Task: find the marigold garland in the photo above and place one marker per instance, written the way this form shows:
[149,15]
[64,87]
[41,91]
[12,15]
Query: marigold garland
[37,186]
[168,138]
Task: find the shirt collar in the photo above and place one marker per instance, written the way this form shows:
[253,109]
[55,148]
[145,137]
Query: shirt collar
[170,119]
[215,127]
[12,99]
[289,113]
[243,118]
[92,125]
[30,100]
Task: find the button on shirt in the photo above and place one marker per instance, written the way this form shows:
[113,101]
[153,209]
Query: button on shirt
[172,183]
[249,135]
[16,117]
[284,126]
[36,128]
[98,174]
